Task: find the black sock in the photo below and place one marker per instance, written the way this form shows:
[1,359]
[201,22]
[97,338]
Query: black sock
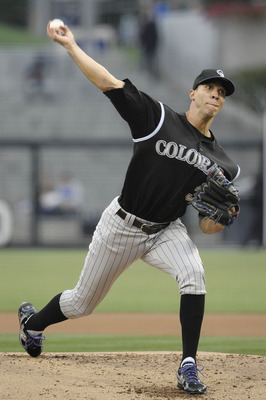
[191,316]
[50,314]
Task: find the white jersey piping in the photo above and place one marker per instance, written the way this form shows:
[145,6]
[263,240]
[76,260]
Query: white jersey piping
[238,172]
[156,129]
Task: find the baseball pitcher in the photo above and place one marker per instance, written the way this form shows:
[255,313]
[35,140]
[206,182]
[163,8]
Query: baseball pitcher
[177,163]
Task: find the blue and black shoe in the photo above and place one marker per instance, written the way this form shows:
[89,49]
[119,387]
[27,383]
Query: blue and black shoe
[187,377]
[31,343]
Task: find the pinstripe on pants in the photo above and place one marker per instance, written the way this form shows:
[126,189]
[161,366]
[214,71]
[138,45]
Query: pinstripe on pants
[116,245]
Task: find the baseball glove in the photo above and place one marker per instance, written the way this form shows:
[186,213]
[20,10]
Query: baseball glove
[217,199]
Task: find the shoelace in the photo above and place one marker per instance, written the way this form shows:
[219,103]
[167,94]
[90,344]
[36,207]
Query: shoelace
[34,340]
[191,372]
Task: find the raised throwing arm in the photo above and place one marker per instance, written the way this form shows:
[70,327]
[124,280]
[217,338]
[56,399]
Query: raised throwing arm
[94,71]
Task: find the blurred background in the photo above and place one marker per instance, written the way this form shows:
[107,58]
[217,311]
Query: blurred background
[64,149]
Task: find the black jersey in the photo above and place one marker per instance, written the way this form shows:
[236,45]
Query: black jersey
[170,159]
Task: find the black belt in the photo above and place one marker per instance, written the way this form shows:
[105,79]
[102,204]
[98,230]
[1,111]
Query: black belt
[146,228]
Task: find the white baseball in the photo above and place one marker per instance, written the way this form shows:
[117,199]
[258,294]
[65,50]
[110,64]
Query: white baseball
[56,23]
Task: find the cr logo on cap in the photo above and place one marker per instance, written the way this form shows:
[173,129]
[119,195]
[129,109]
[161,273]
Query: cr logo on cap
[220,72]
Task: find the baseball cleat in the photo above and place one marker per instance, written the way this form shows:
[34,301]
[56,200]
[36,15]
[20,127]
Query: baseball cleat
[31,343]
[187,377]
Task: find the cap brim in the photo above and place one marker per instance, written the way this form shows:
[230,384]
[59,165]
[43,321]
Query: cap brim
[226,83]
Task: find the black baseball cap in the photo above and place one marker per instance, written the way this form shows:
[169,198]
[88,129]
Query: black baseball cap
[214,74]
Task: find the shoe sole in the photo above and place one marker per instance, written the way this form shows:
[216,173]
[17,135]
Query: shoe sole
[22,305]
[35,351]
[180,386]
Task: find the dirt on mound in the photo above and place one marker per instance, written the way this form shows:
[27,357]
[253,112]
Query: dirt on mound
[127,376]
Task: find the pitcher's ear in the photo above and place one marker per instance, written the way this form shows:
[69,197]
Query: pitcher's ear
[192,94]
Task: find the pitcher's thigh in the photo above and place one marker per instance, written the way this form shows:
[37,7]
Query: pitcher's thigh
[101,268]
[176,254]
[110,253]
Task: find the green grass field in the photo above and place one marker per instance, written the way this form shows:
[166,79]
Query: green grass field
[235,281]
[16,36]
[102,343]
[235,284]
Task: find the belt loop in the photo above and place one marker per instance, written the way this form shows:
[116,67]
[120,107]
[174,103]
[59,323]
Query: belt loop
[129,219]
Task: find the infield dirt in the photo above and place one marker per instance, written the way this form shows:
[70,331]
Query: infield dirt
[136,375]
[122,376]
[149,324]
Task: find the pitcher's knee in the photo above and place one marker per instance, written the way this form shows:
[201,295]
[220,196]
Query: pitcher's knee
[192,283]
[74,305]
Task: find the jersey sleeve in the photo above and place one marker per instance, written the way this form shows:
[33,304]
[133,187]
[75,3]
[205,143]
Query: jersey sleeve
[141,112]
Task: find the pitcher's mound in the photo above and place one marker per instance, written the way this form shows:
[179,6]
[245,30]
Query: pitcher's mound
[122,376]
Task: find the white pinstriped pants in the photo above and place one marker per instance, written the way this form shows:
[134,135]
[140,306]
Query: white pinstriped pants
[116,244]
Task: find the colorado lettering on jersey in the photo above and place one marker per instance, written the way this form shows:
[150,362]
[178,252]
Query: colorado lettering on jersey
[182,153]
